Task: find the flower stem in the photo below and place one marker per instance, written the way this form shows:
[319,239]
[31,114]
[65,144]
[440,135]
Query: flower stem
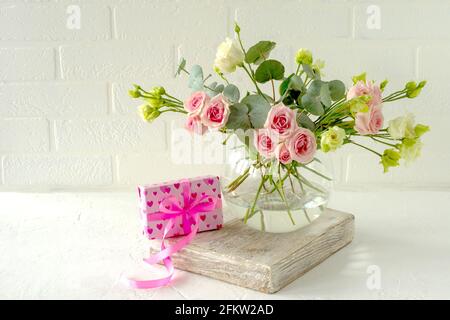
[252,208]
[316,172]
[386,143]
[364,147]
[273,89]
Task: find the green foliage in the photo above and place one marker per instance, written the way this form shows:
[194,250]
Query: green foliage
[239,117]
[231,92]
[181,66]
[269,70]
[259,52]
[325,95]
[294,84]
[214,89]
[312,104]
[195,81]
[258,108]
[337,90]
[304,121]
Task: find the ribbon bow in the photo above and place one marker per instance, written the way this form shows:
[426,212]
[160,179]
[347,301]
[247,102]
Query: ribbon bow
[171,208]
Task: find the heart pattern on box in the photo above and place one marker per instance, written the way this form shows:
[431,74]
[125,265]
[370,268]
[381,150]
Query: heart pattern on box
[152,195]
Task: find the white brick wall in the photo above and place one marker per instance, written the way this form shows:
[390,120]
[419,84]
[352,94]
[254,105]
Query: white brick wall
[66,120]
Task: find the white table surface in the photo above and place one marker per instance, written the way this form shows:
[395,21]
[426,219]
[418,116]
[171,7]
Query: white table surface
[78,245]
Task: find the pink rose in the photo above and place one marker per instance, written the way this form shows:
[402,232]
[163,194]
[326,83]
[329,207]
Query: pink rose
[302,145]
[195,103]
[362,88]
[215,113]
[194,125]
[369,122]
[282,153]
[265,142]
[282,120]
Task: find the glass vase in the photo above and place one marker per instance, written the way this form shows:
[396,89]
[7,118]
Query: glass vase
[272,197]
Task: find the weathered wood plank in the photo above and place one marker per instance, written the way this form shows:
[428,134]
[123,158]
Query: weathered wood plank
[264,261]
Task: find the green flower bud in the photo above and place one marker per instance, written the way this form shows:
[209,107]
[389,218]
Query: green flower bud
[390,158]
[359,77]
[304,56]
[422,84]
[148,113]
[413,89]
[134,93]
[237,29]
[411,85]
[155,102]
[420,129]
[413,93]
[383,84]
[158,91]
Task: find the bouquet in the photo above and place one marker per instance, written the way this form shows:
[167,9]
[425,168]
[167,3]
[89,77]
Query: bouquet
[299,116]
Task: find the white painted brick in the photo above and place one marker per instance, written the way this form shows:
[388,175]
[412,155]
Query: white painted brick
[53,99]
[404,20]
[141,168]
[433,67]
[433,62]
[57,170]
[292,20]
[24,135]
[42,21]
[31,63]
[175,21]
[380,59]
[110,135]
[116,61]
[365,171]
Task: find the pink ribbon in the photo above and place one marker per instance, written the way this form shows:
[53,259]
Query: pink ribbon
[169,209]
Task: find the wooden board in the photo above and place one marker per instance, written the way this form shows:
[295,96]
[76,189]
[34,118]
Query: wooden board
[264,261]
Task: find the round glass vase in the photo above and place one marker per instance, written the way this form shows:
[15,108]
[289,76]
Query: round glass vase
[275,198]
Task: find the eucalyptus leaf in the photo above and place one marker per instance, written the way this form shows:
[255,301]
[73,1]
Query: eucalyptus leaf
[196,71]
[297,83]
[325,95]
[219,88]
[181,66]
[239,117]
[269,70]
[312,104]
[195,81]
[259,52]
[258,109]
[315,88]
[337,89]
[213,89]
[304,121]
[284,86]
[232,93]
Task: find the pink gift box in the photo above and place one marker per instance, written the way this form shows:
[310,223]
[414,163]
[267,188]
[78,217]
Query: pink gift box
[150,197]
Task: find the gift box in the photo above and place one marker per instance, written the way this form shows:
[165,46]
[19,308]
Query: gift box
[181,203]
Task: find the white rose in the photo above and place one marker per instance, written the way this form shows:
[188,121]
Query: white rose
[402,127]
[229,55]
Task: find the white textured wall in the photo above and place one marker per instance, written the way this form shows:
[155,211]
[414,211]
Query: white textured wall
[66,120]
